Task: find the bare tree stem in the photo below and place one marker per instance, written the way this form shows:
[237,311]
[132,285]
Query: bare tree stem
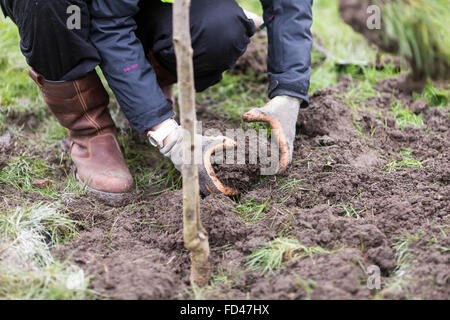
[195,236]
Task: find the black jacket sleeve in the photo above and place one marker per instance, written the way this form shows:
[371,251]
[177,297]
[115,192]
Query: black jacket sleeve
[124,64]
[290,42]
[2,8]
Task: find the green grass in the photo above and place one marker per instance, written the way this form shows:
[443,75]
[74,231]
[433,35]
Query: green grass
[276,253]
[435,96]
[434,243]
[53,132]
[289,185]
[362,88]
[350,211]
[406,161]
[342,45]
[233,96]
[237,94]
[21,171]
[405,117]
[324,76]
[362,85]
[18,94]
[55,282]
[251,211]
[251,5]
[340,39]
[421,29]
[148,167]
[399,279]
[306,284]
[27,267]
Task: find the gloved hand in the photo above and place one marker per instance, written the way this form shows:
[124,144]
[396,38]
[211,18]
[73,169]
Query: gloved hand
[281,114]
[209,183]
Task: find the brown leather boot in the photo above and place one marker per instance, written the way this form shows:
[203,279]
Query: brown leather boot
[81,107]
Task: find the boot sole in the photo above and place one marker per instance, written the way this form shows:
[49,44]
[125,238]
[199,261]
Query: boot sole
[111,199]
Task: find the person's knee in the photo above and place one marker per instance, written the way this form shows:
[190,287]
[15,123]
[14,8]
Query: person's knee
[224,36]
[227,37]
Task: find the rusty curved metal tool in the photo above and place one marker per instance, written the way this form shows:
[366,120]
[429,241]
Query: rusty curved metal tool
[218,185]
[256,115]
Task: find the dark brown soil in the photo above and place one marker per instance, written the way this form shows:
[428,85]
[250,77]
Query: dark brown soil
[136,252]
[237,176]
[241,174]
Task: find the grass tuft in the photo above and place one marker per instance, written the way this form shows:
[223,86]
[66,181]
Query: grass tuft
[251,211]
[141,159]
[19,95]
[27,268]
[274,254]
[21,171]
[350,211]
[405,117]
[233,96]
[407,161]
[435,96]
[398,281]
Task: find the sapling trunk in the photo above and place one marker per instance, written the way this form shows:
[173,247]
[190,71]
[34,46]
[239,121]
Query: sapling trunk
[195,236]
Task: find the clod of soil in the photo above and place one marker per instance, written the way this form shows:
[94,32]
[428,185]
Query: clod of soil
[237,176]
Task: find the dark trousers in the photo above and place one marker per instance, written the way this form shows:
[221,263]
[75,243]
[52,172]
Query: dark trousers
[62,54]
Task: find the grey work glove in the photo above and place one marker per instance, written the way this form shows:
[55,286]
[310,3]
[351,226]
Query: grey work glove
[281,114]
[209,183]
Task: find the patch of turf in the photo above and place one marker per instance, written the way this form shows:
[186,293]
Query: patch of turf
[399,279]
[27,268]
[141,160]
[405,117]
[21,171]
[233,96]
[406,161]
[435,96]
[250,211]
[19,95]
[274,254]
